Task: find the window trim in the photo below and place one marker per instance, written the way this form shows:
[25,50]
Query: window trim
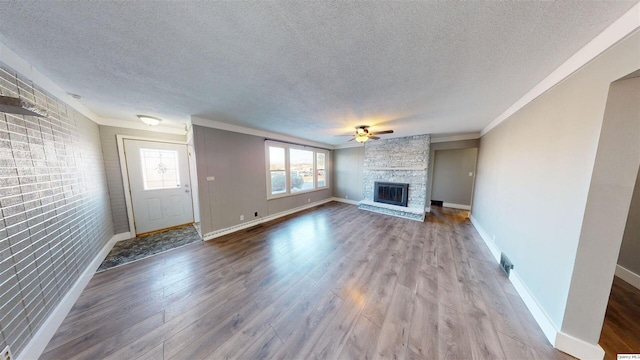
[287,166]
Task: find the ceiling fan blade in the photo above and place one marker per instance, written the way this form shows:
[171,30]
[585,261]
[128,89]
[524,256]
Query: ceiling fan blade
[374,138]
[381,132]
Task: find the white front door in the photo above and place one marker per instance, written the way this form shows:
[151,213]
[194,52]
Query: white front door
[159,183]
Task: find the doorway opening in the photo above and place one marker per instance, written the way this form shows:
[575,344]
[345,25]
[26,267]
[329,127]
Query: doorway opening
[621,330]
[453,177]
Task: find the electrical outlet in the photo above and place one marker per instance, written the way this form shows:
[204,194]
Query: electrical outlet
[6,354]
[241,217]
[346,196]
[309,200]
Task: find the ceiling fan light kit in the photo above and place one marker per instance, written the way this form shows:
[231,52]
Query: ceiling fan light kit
[362,138]
[362,134]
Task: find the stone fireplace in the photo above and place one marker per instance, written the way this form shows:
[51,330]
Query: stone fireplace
[401,160]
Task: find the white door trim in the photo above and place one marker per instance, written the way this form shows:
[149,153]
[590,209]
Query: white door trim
[125,175]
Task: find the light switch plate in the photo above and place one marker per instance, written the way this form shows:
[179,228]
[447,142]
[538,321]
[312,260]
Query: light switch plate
[211,178]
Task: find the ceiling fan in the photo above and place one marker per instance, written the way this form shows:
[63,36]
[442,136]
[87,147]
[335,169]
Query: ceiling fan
[363,134]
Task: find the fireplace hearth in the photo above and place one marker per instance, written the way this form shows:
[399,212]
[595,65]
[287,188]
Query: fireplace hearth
[391,193]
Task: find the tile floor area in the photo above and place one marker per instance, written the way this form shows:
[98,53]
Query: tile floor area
[127,251]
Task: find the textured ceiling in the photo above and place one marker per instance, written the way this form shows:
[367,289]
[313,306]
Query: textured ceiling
[306,69]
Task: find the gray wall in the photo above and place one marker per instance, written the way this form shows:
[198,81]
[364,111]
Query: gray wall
[347,173]
[630,250]
[451,180]
[237,161]
[446,145]
[55,208]
[534,172]
[610,192]
[112,168]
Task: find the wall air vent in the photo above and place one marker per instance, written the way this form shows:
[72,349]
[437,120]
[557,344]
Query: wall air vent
[505,264]
[14,105]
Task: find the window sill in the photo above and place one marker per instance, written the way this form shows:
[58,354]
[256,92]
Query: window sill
[280,196]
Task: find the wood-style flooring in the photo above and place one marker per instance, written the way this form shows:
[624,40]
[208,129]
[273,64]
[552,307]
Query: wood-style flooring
[621,329]
[333,282]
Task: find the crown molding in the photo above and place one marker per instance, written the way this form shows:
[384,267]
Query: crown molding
[22,67]
[454,137]
[352,144]
[195,120]
[620,29]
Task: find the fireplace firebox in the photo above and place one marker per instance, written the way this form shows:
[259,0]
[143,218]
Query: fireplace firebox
[391,193]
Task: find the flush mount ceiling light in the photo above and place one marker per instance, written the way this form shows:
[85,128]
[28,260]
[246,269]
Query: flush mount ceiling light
[149,120]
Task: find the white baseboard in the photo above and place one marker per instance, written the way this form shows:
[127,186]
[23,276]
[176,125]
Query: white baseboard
[456,206]
[198,227]
[544,322]
[561,341]
[39,341]
[628,276]
[578,348]
[486,238]
[248,224]
[542,318]
[122,236]
[346,201]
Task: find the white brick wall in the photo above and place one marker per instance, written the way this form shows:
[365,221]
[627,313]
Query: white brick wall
[54,206]
[410,155]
